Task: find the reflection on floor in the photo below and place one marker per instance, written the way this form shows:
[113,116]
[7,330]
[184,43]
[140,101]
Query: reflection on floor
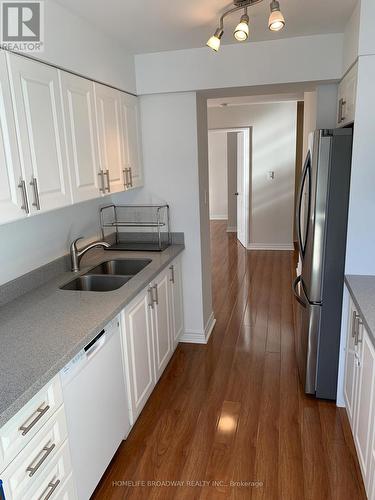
[229,420]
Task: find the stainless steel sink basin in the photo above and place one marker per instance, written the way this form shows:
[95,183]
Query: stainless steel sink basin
[90,283]
[124,267]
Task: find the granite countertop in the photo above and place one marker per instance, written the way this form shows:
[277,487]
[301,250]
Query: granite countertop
[362,290]
[45,328]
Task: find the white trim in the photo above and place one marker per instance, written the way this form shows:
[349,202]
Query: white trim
[195,337]
[209,326]
[270,246]
[218,217]
[231,229]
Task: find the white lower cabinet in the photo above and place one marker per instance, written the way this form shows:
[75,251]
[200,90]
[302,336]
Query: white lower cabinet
[177,311]
[36,461]
[360,394]
[150,337]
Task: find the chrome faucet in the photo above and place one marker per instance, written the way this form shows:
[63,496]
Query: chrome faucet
[76,255]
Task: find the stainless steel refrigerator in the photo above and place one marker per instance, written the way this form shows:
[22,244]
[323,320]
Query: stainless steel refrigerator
[321,222]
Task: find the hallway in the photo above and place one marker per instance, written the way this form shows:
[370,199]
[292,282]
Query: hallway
[234,410]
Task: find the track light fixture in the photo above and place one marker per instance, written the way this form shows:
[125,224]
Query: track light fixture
[276,22]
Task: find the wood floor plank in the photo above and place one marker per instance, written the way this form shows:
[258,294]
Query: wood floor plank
[279,444]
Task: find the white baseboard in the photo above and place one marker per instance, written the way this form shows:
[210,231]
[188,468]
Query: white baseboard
[270,246]
[218,217]
[231,229]
[195,337]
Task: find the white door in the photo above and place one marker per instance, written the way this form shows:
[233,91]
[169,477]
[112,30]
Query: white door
[177,313]
[241,189]
[351,367]
[82,139]
[39,119]
[13,204]
[162,327]
[108,109]
[138,362]
[132,141]
[363,420]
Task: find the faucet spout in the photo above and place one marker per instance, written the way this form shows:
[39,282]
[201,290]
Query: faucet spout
[76,255]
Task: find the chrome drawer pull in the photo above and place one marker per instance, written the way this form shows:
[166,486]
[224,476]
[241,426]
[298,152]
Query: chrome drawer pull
[108,188]
[26,428]
[156,297]
[131,177]
[51,487]
[102,187]
[25,203]
[34,184]
[151,302]
[33,469]
[171,279]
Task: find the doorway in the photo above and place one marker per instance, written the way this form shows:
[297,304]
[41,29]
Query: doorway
[229,179]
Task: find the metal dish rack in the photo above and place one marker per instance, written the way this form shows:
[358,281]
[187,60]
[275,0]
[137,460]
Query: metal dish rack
[136,227]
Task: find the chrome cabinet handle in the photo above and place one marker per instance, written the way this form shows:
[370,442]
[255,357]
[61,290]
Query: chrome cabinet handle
[26,428]
[101,175]
[150,298]
[25,203]
[108,188]
[51,487]
[341,117]
[156,295]
[354,318]
[126,181]
[130,176]
[171,279]
[32,469]
[34,184]
[357,323]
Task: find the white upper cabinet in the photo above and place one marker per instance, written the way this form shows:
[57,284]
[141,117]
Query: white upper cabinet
[12,204]
[110,133]
[39,121]
[347,94]
[133,173]
[81,134]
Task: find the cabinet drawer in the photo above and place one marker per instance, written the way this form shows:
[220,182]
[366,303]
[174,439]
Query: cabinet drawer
[19,431]
[27,468]
[56,482]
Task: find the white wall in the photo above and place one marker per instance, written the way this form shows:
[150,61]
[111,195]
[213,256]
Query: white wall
[35,241]
[73,43]
[218,174]
[309,119]
[274,148]
[301,59]
[351,38]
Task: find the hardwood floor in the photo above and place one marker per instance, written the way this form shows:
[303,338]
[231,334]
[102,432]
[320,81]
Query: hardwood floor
[234,410]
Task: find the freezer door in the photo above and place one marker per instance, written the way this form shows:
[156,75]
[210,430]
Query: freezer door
[313,261]
[307,327]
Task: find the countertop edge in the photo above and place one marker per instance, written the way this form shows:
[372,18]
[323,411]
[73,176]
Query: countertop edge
[37,385]
[358,306]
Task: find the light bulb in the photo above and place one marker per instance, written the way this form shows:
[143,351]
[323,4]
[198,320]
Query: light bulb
[276,21]
[214,41]
[241,33]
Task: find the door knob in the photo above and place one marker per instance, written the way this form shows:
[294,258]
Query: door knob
[236,194]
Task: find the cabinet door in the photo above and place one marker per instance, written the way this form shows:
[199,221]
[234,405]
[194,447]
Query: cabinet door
[351,362]
[347,94]
[364,409]
[81,135]
[39,119]
[177,313]
[162,325]
[108,109]
[11,201]
[132,141]
[138,352]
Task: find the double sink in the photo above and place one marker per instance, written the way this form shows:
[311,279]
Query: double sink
[107,276]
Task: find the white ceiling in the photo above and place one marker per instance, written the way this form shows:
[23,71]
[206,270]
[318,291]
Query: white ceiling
[156,25]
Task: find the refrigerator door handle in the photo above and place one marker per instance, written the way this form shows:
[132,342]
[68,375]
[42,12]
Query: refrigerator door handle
[296,294]
[305,176]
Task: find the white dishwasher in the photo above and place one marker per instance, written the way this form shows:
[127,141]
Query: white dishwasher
[96,407]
